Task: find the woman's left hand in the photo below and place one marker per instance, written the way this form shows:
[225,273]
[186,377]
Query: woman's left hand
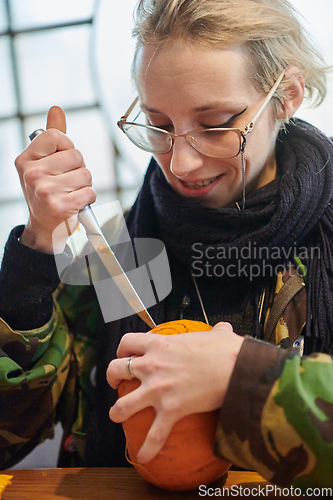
[180,375]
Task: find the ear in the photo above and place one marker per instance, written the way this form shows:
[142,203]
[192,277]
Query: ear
[294,91]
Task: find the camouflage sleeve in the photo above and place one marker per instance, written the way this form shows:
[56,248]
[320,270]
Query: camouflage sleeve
[47,371]
[38,364]
[34,367]
[28,279]
[47,375]
[277,418]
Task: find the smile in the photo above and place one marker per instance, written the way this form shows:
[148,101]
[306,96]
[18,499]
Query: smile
[197,185]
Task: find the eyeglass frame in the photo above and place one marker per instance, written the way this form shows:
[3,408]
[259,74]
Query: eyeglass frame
[242,133]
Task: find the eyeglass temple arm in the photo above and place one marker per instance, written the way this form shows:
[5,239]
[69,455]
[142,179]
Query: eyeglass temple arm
[250,125]
[130,109]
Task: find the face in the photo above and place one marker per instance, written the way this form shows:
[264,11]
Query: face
[186,86]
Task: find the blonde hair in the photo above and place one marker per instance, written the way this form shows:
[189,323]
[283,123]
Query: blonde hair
[268,30]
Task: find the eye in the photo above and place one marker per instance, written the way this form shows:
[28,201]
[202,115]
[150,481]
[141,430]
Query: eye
[228,124]
[222,125]
[168,127]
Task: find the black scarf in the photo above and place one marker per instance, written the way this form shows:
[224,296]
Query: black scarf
[293,211]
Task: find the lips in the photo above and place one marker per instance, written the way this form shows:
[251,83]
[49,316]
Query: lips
[200,184]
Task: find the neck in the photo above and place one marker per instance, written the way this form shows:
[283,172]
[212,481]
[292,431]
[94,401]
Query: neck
[267,174]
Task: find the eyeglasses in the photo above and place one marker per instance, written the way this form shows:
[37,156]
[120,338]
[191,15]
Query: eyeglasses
[214,142]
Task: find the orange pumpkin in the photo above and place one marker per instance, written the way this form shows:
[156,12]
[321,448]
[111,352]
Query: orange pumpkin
[4,481]
[186,461]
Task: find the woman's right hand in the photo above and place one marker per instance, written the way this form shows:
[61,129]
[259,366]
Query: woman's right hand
[56,185]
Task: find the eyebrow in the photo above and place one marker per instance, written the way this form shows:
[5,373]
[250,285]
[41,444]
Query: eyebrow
[208,107]
[212,106]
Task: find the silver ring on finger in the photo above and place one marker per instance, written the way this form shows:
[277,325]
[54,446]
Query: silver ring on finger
[129,367]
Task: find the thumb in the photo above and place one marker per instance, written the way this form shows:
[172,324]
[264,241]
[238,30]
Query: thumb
[56,119]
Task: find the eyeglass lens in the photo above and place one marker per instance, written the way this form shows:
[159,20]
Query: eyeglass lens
[219,143]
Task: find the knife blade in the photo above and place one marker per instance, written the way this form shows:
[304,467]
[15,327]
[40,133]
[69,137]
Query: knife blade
[96,237]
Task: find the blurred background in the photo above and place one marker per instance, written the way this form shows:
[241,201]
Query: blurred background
[77,54]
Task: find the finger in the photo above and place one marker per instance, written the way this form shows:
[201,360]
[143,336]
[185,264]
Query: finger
[48,143]
[56,118]
[79,199]
[73,180]
[59,162]
[224,325]
[56,189]
[156,438]
[133,343]
[118,370]
[128,405]
[45,144]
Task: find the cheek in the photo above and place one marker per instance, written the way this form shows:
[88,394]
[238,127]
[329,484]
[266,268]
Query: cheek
[232,167]
[262,141]
[232,164]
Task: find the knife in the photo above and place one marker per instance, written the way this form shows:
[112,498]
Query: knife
[96,237]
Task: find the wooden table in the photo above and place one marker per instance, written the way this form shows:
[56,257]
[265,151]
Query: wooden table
[108,484]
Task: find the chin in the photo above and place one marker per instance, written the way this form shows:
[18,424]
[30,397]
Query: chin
[214,203]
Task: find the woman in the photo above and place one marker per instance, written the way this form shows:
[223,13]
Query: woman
[241,198]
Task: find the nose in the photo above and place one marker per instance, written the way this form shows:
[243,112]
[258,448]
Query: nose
[185,159]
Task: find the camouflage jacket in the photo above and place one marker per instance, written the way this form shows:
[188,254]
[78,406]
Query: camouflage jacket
[276,419]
